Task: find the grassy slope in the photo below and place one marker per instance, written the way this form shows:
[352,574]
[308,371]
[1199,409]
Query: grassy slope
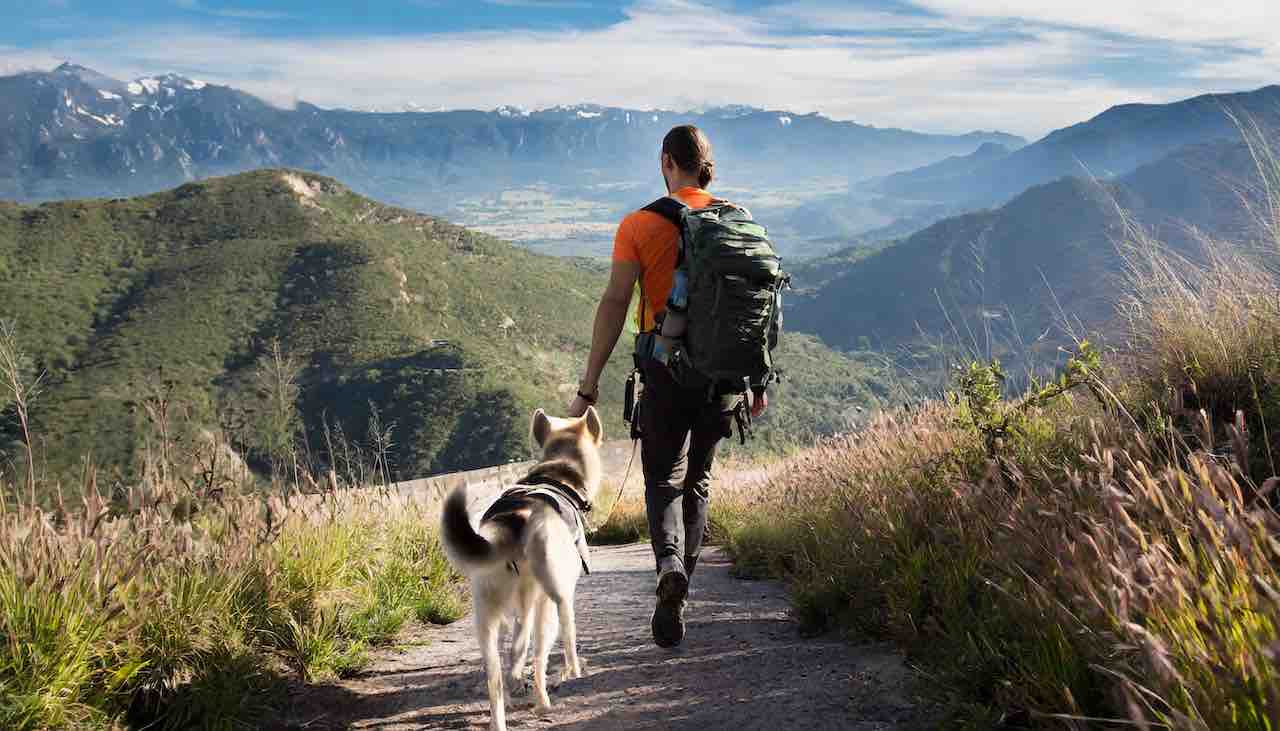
[180,293]
[114,298]
[1102,560]
[1080,569]
[177,614]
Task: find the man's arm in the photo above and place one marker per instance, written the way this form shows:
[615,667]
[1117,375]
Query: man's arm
[611,316]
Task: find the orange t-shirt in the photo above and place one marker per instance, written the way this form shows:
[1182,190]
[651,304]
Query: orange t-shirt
[652,241]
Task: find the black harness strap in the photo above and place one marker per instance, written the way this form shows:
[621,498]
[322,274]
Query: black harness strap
[575,498]
[568,503]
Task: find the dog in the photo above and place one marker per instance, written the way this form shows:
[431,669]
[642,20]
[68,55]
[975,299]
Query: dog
[525,558]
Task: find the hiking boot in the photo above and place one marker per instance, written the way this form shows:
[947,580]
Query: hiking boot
[668,616]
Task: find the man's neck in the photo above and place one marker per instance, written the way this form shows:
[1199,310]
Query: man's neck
[677,185]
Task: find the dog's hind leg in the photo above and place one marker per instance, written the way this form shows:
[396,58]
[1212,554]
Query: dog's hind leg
[520,642]
[559,579]
[544,634]
[487,631]
[569,638]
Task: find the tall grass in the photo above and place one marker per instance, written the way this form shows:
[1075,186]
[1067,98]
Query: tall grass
[1088,573]
[1204,335]
[185,600]
[626,521]
[179,614]
[1109,561]
[622,513]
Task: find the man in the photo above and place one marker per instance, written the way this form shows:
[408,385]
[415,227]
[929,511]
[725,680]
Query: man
[680,427]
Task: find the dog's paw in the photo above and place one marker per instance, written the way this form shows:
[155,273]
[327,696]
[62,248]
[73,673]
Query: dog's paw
[518,686]
[571,672]
[568,673]
[542,708]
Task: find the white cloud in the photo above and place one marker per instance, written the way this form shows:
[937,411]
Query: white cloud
[15,60]
[1243,69]
[1006,72]
[1194,21]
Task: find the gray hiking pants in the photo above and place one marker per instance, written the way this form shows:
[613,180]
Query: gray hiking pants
[680,430]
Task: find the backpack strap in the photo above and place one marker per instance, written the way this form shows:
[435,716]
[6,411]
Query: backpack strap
[672,209]
[668,207]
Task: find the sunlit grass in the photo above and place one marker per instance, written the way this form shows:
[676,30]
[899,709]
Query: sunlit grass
[127,614]
[1112,561]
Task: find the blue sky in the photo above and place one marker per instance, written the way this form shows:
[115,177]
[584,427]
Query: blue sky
[1025,66]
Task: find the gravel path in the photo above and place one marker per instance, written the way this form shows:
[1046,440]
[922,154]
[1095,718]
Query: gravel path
[742,666]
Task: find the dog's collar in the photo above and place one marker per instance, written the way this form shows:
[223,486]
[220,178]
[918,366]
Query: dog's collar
[567,492]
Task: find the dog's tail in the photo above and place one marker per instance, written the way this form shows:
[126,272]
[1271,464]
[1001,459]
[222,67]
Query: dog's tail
[469,548]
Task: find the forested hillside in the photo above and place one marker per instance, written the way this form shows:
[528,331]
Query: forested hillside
[994,281]
[281,312]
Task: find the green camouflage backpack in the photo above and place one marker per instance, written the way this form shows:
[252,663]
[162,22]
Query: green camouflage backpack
[734,293]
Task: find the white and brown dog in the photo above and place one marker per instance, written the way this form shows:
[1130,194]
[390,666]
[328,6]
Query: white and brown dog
[525,558]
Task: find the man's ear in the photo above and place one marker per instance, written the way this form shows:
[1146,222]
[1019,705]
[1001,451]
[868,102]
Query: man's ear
[594,427]
[541,427]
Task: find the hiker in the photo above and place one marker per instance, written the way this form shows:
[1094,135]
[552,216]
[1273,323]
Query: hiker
[679,423]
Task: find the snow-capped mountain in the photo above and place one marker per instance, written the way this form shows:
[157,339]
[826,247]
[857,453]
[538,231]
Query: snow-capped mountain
[75,132]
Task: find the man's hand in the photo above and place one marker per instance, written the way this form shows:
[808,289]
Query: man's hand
[759,404]
[577,407]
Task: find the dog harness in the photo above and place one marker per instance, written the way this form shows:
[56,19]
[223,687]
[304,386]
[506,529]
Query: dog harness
[566,501]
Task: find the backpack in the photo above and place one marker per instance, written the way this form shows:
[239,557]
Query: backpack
[734,301]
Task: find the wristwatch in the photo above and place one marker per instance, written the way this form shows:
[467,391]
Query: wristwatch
[590,398]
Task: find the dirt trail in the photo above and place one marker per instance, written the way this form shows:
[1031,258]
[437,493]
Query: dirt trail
[742,666]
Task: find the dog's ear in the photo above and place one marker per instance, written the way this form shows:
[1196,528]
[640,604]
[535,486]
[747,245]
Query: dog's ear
[541,427]
[594,427]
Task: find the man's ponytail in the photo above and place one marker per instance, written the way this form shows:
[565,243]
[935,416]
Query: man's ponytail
[690,149]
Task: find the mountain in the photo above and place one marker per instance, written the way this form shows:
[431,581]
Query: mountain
[905,183]
[1008,270]
[449,337]
[73,132]
[1110,145]
[875,211]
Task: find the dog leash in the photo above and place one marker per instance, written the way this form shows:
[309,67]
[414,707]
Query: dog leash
[623,486]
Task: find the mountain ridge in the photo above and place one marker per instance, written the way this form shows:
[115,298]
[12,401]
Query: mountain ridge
[1110,144]
[1051,251]
[75,133]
